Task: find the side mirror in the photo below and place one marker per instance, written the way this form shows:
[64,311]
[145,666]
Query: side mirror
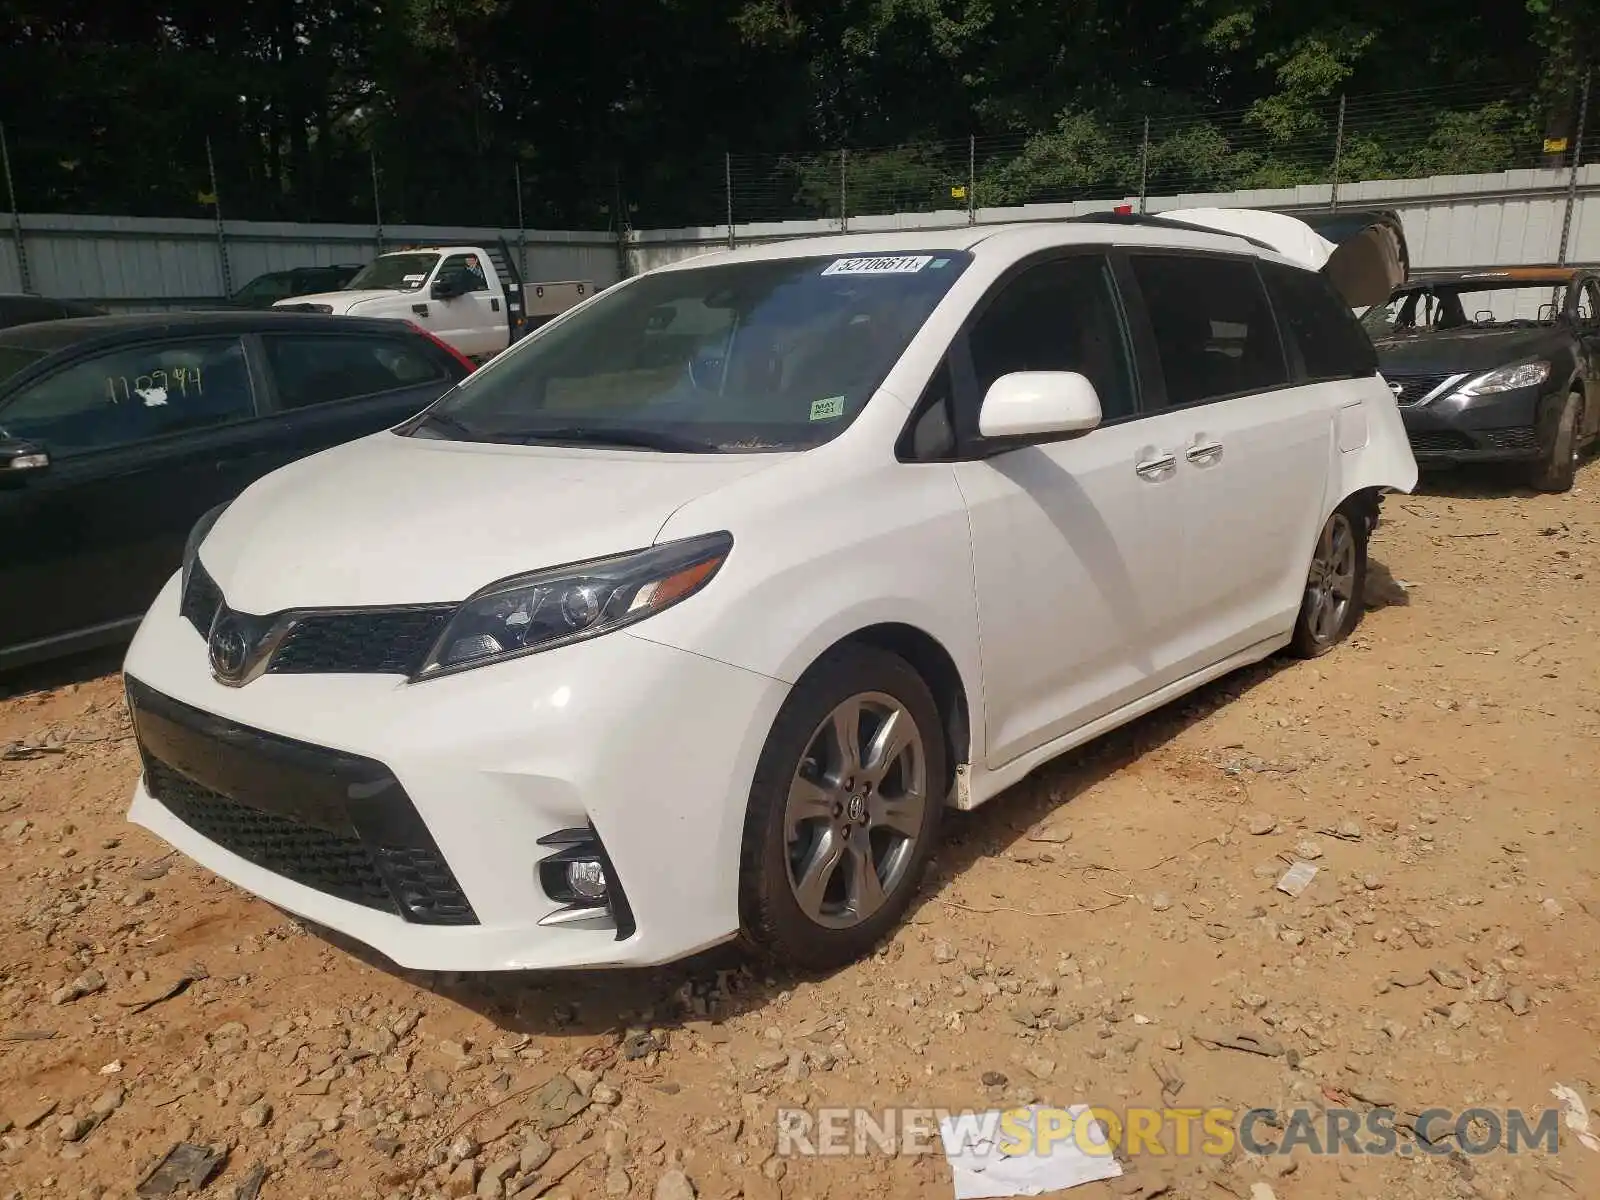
[1041,406]
[19,458]
[444,289]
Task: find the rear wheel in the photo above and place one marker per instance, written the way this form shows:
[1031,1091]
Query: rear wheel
[844,809]
[1560,445]
[1335,584]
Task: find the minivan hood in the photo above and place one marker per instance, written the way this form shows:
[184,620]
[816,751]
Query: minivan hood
[410,520]
[1453,351]
[343,301]
[1363,254]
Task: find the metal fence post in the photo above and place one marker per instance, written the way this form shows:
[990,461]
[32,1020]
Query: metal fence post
[522,228]
[222,237]
[844,191]
[377,203]
[1144,169]
[16,214]
[972,179]
[1577,162]
[1338,157]
[727,187]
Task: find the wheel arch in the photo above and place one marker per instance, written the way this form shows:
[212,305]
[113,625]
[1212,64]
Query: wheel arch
[928,657]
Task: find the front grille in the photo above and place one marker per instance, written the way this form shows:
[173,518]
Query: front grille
[1414,387]
[374,641]
[413,883]
[333,864]
[380,642]
[328,820]
[200,600]
[1438,441]
[1512,439]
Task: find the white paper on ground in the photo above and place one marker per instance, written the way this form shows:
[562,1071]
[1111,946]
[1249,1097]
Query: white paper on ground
[984,1172]
[1575,1115]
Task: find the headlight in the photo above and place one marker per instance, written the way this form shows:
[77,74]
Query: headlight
[191,548]
[529,613]
[1508,379]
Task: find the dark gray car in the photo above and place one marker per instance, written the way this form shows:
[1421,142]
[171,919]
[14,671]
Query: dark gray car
[1496,366]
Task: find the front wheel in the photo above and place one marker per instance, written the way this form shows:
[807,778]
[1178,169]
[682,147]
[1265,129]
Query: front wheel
[1335,584]
[844,809]
[1560,445]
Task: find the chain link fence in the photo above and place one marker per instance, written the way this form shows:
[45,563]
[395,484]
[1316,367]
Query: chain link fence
[1273,144]
[378,181]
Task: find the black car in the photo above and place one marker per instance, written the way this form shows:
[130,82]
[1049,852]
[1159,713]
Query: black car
[1496,366]
[118,433]
[24,308]
[266,290]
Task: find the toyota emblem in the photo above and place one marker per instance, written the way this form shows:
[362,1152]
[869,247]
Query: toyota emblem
[229,649]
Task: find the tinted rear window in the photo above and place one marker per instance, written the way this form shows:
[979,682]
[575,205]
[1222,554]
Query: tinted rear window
[1214,328]
[1318,325]
[321,368]
[14,358]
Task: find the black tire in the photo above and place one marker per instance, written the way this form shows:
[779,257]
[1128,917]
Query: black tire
[1560,444]
[1313,636]
[773,920]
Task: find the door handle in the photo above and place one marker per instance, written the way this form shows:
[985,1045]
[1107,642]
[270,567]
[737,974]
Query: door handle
[1204,453]
[1155,468]
[420,309]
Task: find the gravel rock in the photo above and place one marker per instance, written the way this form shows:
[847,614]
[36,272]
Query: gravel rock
[462,1180]
[1517,1001]
[535,1153]
[1261,824]
[87,984]
[256,1116]
[674,1185]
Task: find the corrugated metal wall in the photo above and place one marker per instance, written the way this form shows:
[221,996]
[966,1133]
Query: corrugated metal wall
[139,263]
[1502,219]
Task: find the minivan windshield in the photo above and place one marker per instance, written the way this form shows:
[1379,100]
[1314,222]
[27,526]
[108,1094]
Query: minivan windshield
[394,272]
[770,355]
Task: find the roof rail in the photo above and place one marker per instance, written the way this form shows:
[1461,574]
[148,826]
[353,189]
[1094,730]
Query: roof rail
[1160,222]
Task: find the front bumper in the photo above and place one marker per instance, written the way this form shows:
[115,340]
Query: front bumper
[1455,429]
[410,816]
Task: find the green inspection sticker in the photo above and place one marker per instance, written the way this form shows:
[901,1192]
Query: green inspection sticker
[827,410]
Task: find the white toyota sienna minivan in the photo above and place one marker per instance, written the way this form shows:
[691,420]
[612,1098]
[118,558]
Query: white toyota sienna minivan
[687,617]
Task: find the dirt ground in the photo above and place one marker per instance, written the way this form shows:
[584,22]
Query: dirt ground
[1087,935]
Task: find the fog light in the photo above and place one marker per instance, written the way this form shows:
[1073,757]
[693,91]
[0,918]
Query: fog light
[587,879]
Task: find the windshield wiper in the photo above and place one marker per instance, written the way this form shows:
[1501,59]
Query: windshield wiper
[642,439]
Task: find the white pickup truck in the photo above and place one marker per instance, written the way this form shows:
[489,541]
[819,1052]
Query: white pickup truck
[470,297]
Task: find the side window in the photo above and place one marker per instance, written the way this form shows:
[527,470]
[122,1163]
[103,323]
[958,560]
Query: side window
[932,435]
[321,368]
[1588,307]
[465,271]
[1318,325]
[1058,316]
[134,394]
[1213,328]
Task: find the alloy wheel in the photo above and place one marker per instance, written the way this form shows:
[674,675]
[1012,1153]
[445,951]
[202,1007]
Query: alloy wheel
[855,810]
[1331,585]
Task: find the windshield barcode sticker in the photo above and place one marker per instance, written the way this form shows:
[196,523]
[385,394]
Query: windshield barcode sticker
[903,264]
